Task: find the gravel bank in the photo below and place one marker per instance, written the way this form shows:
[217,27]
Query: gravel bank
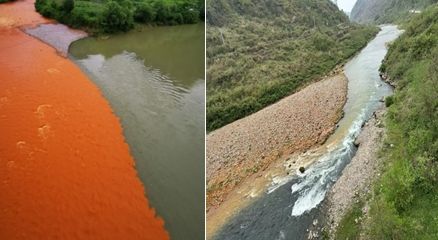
[356,179]
[249,145]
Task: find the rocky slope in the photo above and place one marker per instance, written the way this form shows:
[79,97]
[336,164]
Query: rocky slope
[386,11]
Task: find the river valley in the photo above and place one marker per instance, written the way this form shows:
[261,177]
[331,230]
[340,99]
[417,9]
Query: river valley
[290,202]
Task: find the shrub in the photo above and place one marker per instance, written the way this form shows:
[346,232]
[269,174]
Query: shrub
[389,101]
[68,5]
[144,13]
[189,12]
[116,17]
[113,16]
[84,14]
[322,42]
[47,8]
[190,15]
[165,12]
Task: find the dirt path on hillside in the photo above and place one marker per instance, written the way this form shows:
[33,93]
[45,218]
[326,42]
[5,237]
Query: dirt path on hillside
[65,169]
[296,123]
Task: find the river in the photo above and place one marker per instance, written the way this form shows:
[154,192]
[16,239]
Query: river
[289,204]
[153,78]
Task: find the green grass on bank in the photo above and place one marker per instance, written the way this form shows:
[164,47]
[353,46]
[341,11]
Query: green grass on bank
[405,205]
[350,225]
[261,51]
[114,16]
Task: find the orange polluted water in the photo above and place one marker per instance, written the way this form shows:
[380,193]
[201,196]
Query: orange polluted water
[65,170]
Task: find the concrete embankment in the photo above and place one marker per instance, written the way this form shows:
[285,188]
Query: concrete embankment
[65,169]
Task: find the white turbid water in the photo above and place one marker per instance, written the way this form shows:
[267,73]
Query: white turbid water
[324,172]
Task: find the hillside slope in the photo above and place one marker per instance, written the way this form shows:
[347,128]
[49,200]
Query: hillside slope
[406,206]
[259,51]
[386,11]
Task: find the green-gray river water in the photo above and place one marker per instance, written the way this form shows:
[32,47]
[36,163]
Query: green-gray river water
[154,81]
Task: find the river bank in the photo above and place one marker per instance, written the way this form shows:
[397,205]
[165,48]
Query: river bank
[354,185]
[66,171]
[239,153]
[402,204]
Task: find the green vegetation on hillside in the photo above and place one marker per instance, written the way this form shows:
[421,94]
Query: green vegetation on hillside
[259,51]
[113,16]
[387,11]
[4,1]
[405,205]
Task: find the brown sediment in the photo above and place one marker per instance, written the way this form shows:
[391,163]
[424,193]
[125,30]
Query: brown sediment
[241,154]
[65,170]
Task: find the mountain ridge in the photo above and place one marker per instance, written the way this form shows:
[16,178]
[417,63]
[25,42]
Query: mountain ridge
[387,11]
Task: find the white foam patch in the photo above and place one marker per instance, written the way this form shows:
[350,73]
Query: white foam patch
[311,198]
[313,187]
[281,236]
